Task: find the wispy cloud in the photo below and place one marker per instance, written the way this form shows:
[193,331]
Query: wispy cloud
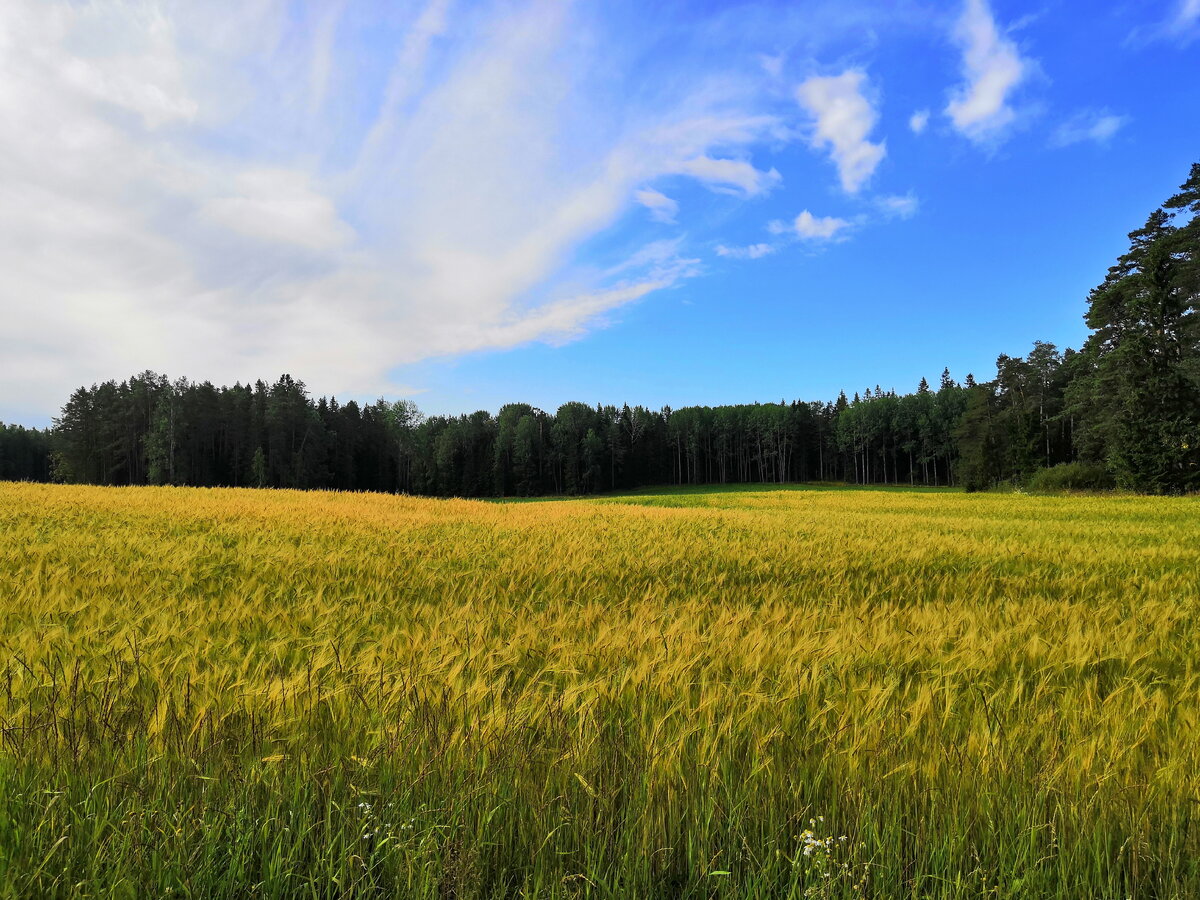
[663,259]
[731,176]
[918,120]
[805,228]
[808,227]
[1097,126]
[898,206]
[751,251]
[1181,26]
[772,64]
[1188,15]
[1177,22]
[662,208]
[992,67]
[843,120]
[324,37]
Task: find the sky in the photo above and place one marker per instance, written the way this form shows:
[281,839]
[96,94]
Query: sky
[470,203]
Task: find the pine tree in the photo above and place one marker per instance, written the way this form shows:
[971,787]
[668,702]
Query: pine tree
[1143,399]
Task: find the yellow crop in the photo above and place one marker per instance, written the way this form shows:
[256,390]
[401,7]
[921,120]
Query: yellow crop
[614,696]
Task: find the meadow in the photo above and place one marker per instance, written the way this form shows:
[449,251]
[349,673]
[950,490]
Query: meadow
[790,692]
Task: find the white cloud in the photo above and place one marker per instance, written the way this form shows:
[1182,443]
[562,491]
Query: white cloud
[753,251]
[843,121]
[993,68]
[918,120]
[730,176]
[810,228]
[1098,126]
[899,206]
[662,208]
[204,189]
[813,228]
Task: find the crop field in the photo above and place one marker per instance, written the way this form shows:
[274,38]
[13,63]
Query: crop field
[794,692]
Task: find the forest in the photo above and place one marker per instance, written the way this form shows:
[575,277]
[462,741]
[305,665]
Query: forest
[1122,411]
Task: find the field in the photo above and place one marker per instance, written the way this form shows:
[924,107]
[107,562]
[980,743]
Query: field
[770,693]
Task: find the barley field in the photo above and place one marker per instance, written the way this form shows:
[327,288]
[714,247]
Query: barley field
[804,692]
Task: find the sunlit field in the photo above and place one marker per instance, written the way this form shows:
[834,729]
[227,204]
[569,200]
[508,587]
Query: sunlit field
[758,693]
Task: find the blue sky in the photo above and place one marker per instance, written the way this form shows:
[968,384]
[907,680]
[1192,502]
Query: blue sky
[472,203]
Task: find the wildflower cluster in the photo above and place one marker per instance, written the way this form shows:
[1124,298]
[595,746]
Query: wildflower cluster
[375,830]
[828,858]
[811,845]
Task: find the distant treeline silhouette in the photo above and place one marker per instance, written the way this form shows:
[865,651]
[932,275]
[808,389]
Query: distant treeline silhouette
[1123,410]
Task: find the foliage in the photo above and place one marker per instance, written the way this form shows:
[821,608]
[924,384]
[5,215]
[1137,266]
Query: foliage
[149,430]
[977,433]
[230,693]
[1140,393]
[24,454]
[1076,476]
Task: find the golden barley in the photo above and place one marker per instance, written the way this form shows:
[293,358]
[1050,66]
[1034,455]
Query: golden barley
[617,696]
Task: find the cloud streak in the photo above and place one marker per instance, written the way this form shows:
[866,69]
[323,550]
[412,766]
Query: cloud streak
[662,208]
[1097,126]
[899,206]
[731,176]
[751,251]
[1185,24]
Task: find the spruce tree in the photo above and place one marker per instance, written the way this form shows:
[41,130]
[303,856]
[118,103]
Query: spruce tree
[1143,399]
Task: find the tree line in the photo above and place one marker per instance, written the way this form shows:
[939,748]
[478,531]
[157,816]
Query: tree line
[24,453]
[151,430]
[1122,410]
